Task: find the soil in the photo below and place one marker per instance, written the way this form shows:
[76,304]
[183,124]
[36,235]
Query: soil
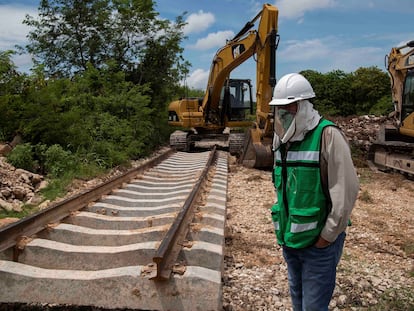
[376,271]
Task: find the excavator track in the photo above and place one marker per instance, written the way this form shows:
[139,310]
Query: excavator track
[392,151]
[236,141]
[178,141]
[394,156]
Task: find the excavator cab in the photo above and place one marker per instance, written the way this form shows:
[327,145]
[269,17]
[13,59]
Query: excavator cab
[237,100]
[408,96]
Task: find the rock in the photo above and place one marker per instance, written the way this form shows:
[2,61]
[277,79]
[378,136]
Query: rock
[342,299]
[44,205]
[17,207]
[24,177]
[6,192]
[5,149]
[19,193]
[36,178]
[6,205]
[35,200]
[43,184]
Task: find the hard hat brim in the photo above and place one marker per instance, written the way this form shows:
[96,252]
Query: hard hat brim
[283,101]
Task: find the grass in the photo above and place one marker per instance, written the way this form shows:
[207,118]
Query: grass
[401,299]
[366,197]
[26,211]
[365,175]
[56,188]
[408,247]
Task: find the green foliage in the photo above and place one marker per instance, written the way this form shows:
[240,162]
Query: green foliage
[383,106]
[342,94]
[369,86]
[26,211]
[11,85]
[366,197]
[58,161]
[57,187]
[401,299]
[185,92]
[104,74]
[69,35]
[96,112]
[22,156]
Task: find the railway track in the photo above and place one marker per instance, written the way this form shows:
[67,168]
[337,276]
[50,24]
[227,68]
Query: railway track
[151,239]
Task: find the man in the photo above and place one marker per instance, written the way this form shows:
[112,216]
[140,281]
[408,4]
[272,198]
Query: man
[316,187]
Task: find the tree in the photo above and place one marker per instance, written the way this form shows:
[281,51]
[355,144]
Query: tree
[11,85]
[340,92]
[361,92]
[369,86]
[96,114]
[10,79]
[69,34]
[330,89]
[125,36]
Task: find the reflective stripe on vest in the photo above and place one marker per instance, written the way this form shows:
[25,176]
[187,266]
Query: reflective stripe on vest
[299,156]
[295,228]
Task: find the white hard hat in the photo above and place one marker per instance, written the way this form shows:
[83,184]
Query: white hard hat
[291,88]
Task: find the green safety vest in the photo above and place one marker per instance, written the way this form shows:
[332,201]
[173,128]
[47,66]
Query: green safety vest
[302,205]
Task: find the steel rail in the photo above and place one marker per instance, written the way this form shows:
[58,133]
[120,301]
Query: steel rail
[170,247]
[13,233]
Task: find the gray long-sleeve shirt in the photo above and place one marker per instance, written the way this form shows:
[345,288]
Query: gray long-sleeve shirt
[340,178]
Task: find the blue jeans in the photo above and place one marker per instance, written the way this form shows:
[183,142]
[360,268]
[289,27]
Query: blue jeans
[312,274]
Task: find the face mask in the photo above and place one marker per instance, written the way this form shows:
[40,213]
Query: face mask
[283,120]
[286,118]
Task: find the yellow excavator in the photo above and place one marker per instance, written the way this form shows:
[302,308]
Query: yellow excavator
[394,147]
[222,116]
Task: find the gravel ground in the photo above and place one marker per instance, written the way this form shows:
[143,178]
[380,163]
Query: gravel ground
[376,271]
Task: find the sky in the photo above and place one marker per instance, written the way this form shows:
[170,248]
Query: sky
[320,35]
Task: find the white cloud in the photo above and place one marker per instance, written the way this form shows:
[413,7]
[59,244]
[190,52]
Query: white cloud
[304,50]
[12,30]
[351,59]
[329,53]
[297,9]
[213,40]
[198,79]
[198,22]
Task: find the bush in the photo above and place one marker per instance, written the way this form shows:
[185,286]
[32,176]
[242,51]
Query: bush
[108,154]
[22,156]
[58,161]
[383,107]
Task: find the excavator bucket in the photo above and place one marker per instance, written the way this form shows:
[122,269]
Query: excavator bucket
[255,153]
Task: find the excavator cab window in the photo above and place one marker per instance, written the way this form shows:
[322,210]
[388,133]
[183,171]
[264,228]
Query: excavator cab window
[408,95]
[237,97]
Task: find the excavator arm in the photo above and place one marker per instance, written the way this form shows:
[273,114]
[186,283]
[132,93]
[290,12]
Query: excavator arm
[400,66]
[243,46]
[208,117]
